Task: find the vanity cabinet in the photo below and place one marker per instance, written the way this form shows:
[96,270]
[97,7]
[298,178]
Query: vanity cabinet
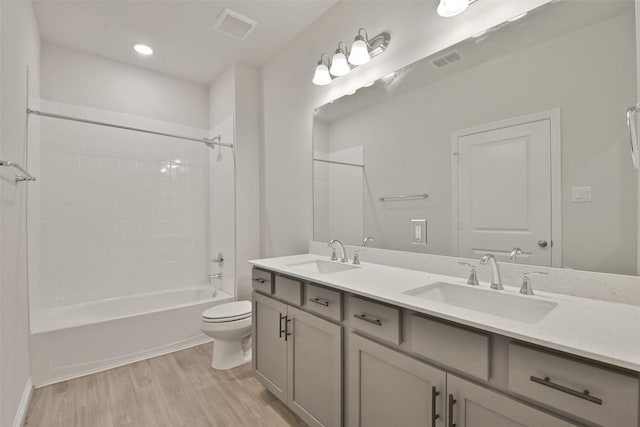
[298,357]
[388,388]
[470,405]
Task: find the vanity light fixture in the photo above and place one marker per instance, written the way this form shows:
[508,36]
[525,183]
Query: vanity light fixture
[362,50]
[322,77]
[339,65]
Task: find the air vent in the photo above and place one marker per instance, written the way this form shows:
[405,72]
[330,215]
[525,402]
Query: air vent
[447,59]
[234,24]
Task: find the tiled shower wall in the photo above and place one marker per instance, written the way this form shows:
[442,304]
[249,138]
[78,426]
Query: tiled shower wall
[121,212]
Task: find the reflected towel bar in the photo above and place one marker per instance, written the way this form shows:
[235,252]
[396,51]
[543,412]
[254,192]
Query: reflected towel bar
[19,178]
[404,197]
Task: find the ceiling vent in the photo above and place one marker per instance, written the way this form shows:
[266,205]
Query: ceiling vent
[234,24]
[447,59]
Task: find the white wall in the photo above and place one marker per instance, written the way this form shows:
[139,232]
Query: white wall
[79,78]
[289,96]
[234,98]
[20,48]
[122,212]
[411,133]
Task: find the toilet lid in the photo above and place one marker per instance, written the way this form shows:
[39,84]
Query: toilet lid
[229,311]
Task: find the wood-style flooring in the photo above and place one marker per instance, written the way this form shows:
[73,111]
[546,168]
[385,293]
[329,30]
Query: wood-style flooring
[175,390]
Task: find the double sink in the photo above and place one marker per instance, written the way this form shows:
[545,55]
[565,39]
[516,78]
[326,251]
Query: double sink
[496,303]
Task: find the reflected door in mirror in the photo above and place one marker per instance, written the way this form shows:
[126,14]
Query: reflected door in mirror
[504,190]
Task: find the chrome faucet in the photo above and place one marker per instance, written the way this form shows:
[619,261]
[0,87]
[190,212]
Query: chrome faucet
[367,240]
[343,252]
[514,254]
[526,288]
[496,281]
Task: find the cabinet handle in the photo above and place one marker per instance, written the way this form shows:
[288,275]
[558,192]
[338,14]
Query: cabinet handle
[452,402]
[368,319]
[261,280]
[282,330]
[434,416]
[286,328]
[579,394]
[320,301]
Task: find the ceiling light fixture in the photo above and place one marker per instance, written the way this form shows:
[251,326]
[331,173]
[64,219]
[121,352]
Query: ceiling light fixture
[362,50]
[449,8]
[143,49]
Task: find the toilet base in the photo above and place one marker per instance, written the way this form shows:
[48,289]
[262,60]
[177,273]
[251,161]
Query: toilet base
[229,354]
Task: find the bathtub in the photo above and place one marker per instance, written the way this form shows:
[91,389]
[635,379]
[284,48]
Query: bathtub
[80,339]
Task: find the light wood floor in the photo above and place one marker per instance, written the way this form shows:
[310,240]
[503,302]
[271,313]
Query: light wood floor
[175,390]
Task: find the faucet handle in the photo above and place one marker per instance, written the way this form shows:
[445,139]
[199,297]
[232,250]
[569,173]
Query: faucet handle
[356,256]
[526,288]
[473,276]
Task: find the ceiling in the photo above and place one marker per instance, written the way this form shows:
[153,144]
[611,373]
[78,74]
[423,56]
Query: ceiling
[180,31]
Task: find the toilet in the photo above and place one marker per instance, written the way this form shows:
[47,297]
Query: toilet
[229,325]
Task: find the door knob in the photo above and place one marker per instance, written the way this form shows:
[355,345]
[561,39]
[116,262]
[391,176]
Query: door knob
[542,243]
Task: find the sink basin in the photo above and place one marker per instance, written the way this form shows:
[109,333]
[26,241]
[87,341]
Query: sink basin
[323,267]
[496,303]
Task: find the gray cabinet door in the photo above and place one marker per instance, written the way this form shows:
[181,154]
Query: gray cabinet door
[269,345]
[387,388]
[476,406]
[314,385]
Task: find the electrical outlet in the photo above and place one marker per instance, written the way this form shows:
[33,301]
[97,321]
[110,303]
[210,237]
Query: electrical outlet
[581,194]
[419,231]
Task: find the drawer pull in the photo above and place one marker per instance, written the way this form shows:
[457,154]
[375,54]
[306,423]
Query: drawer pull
[434,416]
[579,394]
[368,319]
[320,301]
[451,402]
[261,280]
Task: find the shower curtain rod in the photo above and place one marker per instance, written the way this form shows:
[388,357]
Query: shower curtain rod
[216,140]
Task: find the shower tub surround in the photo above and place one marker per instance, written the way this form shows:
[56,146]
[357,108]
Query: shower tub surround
[119,242]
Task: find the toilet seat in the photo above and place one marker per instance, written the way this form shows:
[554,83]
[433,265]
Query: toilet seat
[227,312]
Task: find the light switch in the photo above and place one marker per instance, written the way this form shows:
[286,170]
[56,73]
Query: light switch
[419,227]
[581,194]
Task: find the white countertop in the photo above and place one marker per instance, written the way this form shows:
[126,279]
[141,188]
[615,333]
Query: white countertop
[604,331]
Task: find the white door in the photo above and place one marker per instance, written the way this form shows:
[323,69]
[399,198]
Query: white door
[504,190]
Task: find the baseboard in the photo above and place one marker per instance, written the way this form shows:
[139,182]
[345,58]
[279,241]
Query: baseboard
[147,355]
[21,414]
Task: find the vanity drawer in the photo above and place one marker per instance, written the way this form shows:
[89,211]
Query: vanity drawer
[562,383]
[324,301]
[378,320]
[287,289]
[262,281]
[460,348]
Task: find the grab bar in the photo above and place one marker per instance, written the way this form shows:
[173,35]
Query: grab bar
[404,197]
[26,177]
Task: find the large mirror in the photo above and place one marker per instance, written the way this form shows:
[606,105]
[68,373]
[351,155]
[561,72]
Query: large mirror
[514,138]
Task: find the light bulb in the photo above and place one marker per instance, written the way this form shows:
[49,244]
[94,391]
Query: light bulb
[321,77]
[449,8]
[359,52]
[339,65]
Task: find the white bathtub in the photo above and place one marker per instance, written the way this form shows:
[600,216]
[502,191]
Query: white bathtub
[79,339]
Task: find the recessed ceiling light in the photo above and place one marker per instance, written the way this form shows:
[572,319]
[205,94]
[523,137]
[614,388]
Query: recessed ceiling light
[143,49]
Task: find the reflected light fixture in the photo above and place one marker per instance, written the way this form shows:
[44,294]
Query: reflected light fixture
[362,50]
[322,77]
[449,8]
[143,49]
[515,18]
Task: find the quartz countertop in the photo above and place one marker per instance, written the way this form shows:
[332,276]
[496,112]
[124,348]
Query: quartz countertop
[599,330]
